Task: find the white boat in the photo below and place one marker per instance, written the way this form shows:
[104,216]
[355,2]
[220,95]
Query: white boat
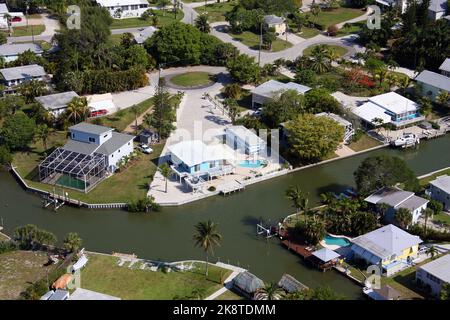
[407,139]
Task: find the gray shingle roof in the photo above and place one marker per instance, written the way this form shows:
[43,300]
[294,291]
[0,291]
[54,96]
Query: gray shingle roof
[114,143]
[443,183]
[22,72]
[80,147]
[388,292]
[57,100]
[434,79]
[17,48]
[438,5]
[413,203]
[439,268]
[390,196]
[445,66]
[90,128]
[273,19]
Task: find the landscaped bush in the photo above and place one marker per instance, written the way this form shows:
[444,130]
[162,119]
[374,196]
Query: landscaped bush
[143,205]
[332,30]
[430,235]
[212,189]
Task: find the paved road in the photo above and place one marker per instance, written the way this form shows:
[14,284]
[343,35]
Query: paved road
[51,26]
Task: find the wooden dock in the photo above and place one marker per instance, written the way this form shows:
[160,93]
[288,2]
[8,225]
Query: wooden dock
[231,187]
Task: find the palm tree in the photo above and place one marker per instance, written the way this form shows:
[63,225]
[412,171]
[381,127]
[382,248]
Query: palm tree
[7,16]
[443,98]
[42,134]
[299,200]
[432,252]
[327,198]
[403,217]
[207,237]
[155,21]
[427,213]
[202,24]
[165,171]
[271,291]
[77,109]
[232,109]
[382,209]
[72,242]
[320,58]
[135,110]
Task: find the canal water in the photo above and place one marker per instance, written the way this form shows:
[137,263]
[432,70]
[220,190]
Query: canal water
[167,235]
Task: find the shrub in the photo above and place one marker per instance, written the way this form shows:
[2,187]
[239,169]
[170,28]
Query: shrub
[8,246]
[212,189]
[332,30]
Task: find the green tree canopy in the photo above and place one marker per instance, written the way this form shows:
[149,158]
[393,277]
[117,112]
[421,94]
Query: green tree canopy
[244,69]
[284,106]
[18,131]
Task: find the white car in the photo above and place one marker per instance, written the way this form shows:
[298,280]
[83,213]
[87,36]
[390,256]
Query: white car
[145,148]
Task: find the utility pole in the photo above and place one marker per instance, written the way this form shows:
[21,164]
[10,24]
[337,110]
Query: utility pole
[260,44]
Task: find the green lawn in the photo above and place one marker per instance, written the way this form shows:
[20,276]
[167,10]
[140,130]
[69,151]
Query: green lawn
[363,143]
[230,295]
[426,180]
[340,51]
[216,11]
[115,39]
[442,218]
[308,32]
[31,30]
[102,274]
[252,41]
[353,28]
[192,79]
[327,18]
[164,18]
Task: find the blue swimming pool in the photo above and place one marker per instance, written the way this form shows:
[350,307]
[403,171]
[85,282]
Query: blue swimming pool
[336,241]
[250,164]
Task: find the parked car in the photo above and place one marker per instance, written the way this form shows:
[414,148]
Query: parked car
[98,113]
[145,148]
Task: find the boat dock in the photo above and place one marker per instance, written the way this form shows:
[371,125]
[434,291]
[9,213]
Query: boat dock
[231,187]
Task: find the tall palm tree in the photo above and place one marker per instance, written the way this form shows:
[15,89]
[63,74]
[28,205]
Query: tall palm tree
[202,24]
[8,17]
[77,110]
[72,242]
[298,198]
[135,110]
[427,213]
[320,58]
[271,291]
[42,134]
[403,217]
[165,171]
[443,98]
[327,198]
[207,237]
[432,252]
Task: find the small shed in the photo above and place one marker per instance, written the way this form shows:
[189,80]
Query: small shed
[247,283]
[289,284]
[324,258]
[148,137]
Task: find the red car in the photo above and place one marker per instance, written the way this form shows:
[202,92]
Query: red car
[98,113]
[16,19]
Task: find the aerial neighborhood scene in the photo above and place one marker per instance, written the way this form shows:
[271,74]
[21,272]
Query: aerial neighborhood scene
[224,150]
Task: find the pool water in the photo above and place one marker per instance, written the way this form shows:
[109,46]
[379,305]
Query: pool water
[330,240]
[250,164]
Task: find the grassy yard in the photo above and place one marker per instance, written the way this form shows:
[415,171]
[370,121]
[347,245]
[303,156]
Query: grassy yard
[229,295]
[102,274]
[327,18]
[18,269]
[352,28]
[115,39]
[442,218]
[216,11]
[164,19]
[426,180]
[363,143]
[308,32]
[31,30]
[340,51]
[192,79]
[3,237]
[252,41]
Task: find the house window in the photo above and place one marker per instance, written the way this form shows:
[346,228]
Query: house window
[105,136]
[119,151]
[91,139]
[197,167]
[129,143]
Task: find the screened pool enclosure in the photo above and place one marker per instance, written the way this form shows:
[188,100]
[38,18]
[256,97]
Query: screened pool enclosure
[73,169]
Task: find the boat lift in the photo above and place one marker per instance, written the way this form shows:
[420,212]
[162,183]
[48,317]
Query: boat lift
[267,232]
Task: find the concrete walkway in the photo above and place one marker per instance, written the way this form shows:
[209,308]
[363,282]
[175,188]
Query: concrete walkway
[228,283]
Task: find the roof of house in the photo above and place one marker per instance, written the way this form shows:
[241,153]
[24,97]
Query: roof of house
[434,79]
[145,34]
[325,254]
[84,294]
[335,117]
[369,111]
[390,196]
[13,49]
[116,141]
[113,3]
[22,72]
[394,102]
[388,293]
[438,5]
[3,8]
[385,241]
[289,284]
[413,203]
[247,282]
[442,182]
[90,128]
[59,295]
[245,134]
[273,19]
[445,66]
[80,147]
[193,152]
[439,268]
[57,100]
[270,88]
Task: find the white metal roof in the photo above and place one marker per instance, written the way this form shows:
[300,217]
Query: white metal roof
[193,152]
[445,66]
[439,268]
[245,135]
[114,3]
[57,100]
[334,117]
[386,241]
[369,111]
[23,72]
[270,88]
[84,294]
[442,182]
[325,254]
[390,196]
[394,102]
[434,79]
[13,49]
[3,8]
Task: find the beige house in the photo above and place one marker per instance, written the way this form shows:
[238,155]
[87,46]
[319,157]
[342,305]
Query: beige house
[273,21]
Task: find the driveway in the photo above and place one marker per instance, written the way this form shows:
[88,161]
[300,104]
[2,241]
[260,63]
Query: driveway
[51,26]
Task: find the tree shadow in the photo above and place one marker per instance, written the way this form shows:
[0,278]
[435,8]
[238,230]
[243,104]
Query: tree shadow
[333,187]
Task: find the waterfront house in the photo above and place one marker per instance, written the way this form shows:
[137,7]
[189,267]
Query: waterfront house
[390,248]
[439,190]
[247,284]
[12,77]
[271,88]
[124,8]
[432,84]
[434,274]
[445,67]
[349,131]
[275,22]
[289,284]
[144,34]
[89,156]
[10,51]
[245,140]
[57,103]
[391,108]
[396,198]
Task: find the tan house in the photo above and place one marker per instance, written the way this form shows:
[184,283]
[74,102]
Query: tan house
[276,22]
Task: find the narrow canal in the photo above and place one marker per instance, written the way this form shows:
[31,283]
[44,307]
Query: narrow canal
[167,235]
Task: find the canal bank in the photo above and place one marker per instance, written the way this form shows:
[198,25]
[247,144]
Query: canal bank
[167,235]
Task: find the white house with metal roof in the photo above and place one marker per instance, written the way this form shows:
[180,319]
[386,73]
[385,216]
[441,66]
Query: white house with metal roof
[10,51]
[439,190]
[12,77]
[396,198]
[144,34]
[445,67]
[271,88]
[57,103]
[275,22]
[434,274]
[245,140]
[432,83]
[390,248]
[391,108]
[120,9]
